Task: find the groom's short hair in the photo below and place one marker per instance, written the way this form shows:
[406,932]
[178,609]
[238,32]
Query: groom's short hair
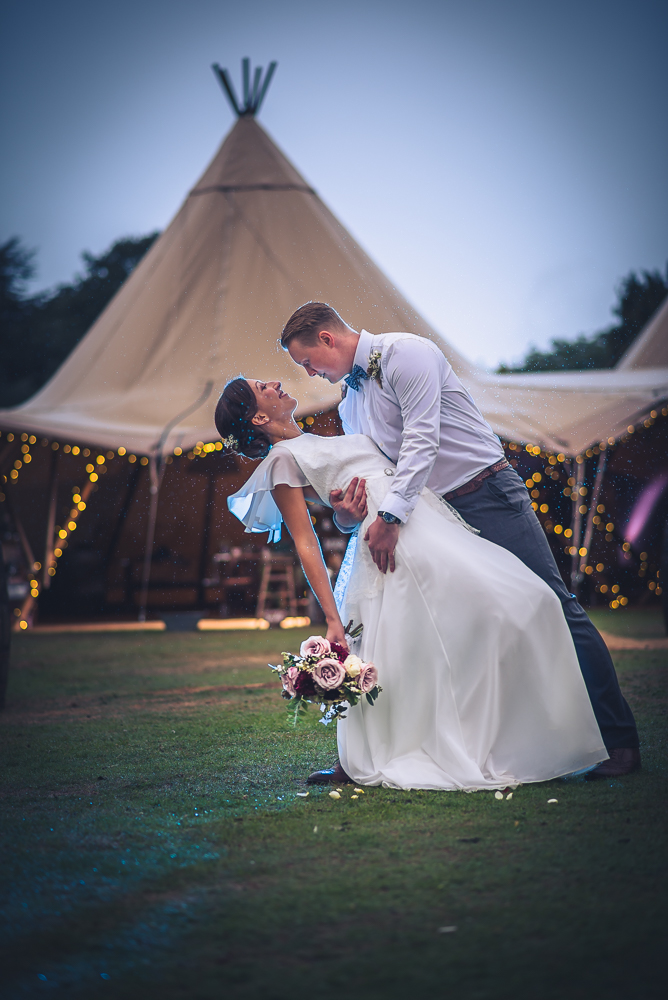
[306,323]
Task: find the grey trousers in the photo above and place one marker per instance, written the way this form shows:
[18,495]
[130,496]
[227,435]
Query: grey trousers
[502,512]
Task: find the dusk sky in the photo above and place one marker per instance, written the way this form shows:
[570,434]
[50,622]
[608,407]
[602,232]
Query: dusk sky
[505,163]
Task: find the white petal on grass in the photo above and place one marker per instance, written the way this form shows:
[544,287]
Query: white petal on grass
[303,795]
[360,791]
[498,795]
[315,829]
[335,795]
[549,801]
[354,796]
[509,796]
[447,930]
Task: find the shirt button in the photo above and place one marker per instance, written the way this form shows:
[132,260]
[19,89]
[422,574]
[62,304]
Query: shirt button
[389,472]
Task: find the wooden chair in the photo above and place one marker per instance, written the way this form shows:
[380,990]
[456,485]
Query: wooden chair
[277,597]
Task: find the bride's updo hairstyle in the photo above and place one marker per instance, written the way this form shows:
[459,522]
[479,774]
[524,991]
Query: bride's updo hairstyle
[234,412]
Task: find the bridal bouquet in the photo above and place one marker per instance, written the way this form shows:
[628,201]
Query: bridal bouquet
[325,672]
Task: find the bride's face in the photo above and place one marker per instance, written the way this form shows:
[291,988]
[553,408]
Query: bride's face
[271,401]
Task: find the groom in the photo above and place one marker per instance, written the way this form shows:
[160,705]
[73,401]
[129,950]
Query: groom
[402,393]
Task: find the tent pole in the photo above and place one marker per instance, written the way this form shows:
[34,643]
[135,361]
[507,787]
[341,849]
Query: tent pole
[50,521]
[157,468]
[577,525]
[589,529]
[154,468]
[20,530]
[7,455]
[206,532]
[29,601]
[129,495]
[49,559]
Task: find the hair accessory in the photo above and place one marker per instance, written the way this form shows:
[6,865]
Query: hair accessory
[230,442]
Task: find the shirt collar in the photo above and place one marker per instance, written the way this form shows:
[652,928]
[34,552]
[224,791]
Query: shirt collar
[363,352]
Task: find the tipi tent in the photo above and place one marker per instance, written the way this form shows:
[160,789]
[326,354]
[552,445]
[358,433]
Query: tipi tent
[251,242]
[650,348]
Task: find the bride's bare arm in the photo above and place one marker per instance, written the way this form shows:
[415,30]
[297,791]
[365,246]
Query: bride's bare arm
[290,501]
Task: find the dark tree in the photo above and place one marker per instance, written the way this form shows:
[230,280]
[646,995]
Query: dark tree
[16,268]
[38,333]
[638,298]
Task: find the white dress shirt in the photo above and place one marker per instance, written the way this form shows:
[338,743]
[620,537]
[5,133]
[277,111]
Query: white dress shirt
[422,418]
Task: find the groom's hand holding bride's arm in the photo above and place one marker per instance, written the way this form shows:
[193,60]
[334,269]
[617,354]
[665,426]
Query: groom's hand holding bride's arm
[350,507]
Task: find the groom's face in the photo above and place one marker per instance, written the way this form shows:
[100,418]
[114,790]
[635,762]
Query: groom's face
[328,356]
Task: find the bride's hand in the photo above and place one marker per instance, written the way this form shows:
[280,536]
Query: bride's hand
[336,634]
[350,507]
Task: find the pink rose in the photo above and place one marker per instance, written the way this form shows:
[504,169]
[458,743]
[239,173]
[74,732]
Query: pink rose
[368,678]
[329,673]
[315,645]
[289,678]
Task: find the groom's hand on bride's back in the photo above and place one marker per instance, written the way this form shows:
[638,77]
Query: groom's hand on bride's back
[382,539]
[350,507]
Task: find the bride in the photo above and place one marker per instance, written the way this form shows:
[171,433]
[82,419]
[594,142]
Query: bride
[481,685]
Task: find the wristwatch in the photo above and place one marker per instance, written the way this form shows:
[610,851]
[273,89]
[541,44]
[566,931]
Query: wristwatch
[389,518]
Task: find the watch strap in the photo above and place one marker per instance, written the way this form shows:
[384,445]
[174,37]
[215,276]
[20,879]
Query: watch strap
[389,518]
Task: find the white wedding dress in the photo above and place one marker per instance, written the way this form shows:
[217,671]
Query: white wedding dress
[481,684]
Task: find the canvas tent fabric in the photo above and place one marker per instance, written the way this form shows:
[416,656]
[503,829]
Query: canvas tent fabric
[251,243]
[568,411]
[650,348]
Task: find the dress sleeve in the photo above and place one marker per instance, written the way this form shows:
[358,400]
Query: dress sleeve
[254,505]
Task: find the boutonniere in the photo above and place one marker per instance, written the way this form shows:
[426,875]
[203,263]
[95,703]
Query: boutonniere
[373,371]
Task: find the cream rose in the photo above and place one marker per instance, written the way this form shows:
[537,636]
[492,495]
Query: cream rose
[353,665]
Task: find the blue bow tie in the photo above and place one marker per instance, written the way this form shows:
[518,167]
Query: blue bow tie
[356,376]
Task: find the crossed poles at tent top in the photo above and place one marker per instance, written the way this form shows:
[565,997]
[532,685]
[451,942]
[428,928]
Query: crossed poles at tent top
[254,93]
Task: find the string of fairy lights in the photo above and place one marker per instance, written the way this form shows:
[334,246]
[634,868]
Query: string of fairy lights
[557,468]
[95,468]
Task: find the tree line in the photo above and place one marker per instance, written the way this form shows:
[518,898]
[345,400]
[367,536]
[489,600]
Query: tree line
[638,298]
[37,332]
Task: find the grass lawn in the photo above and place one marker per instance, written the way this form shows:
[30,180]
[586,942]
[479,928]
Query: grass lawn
[155,846]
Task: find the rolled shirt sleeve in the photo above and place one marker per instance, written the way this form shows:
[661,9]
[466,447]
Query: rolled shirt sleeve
[416,372]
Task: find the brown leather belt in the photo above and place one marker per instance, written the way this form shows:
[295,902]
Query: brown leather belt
[477,481]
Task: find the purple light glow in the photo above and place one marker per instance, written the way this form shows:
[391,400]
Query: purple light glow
[644,507]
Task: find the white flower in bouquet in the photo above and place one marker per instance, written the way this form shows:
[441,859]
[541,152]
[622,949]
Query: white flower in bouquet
[353,665]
